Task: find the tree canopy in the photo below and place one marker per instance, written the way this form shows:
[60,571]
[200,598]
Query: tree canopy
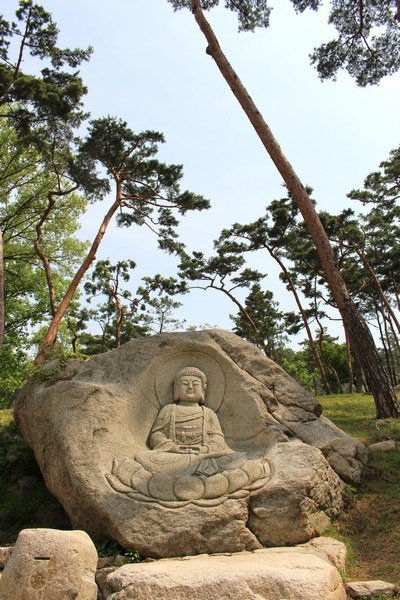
[50,168]
[37,102]
[367,42]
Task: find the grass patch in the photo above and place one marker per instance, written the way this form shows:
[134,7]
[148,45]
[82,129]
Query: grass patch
[356,415]
[371,524]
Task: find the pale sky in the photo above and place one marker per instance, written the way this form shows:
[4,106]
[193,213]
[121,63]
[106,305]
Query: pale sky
[150,68]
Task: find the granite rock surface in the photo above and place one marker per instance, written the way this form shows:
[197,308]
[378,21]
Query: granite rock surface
[280,482]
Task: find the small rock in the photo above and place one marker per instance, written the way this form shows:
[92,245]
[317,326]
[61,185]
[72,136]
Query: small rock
[120,560]
[105,562]
[47,564]
[101,576]
[11,458]
[370,589]
[5,554]
[385,446]
[113,561]
[27,483]
[334,550]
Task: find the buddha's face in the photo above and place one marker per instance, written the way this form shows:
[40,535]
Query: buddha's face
[188,388]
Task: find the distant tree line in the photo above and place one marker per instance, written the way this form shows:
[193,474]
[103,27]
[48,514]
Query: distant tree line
[52,289]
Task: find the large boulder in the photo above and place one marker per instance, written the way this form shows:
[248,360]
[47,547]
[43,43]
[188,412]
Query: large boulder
[92,427]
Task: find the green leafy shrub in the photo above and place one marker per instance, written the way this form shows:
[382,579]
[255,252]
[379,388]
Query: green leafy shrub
[107,548]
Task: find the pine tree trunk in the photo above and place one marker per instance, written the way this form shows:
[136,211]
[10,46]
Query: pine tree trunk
[376,377]
[349,365]
[358,374]
[2,308]
[359,334]
[52,332]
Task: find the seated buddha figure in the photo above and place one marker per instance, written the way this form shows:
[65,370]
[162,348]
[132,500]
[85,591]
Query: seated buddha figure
[187,426]
[188,457]
[186,437]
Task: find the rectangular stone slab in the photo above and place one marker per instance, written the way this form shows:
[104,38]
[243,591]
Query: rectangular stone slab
[270,574]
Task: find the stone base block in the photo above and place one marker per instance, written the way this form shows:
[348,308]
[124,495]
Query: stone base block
[267,574]
[49,564]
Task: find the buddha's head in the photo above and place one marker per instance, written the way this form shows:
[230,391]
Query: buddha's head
[190,385]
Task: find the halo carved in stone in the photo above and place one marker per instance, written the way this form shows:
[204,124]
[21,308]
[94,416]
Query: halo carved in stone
[170,365]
